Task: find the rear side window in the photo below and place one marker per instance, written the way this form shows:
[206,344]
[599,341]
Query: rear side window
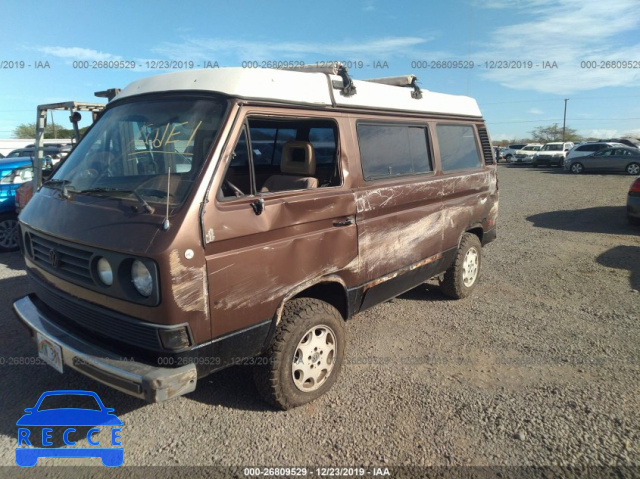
[458,147]
[590,148]
[393,150]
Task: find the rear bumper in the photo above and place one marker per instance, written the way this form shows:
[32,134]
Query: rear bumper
[489,235]
[633,207]
[135,378]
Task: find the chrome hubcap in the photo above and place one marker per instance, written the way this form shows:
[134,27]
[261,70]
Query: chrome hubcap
[633,169]
[314,358]
[470,267]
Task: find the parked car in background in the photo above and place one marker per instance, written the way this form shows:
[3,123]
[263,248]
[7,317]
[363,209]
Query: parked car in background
[584,149]
[510,152]
[55,152]
[625,141]
[633,203]
[552,154]
[525,154]
[620,159]
[13,172]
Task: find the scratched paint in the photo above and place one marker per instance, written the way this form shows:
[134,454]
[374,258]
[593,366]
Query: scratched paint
[188,284]
[387,248]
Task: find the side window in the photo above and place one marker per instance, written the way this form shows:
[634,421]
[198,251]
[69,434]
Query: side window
[267,144]
[458,147]
[324,144]
[282,154]
[393,150]
[237,179]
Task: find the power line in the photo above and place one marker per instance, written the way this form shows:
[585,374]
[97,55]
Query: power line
[558,120]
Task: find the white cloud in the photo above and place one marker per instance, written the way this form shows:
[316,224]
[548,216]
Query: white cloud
[240,50]
[536,111]
[634,133]
[603,133]
[567,32]
[77,53]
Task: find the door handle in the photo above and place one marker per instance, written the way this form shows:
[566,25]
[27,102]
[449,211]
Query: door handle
[346,222]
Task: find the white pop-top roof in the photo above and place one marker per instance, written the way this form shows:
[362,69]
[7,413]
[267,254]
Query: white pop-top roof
[302,88]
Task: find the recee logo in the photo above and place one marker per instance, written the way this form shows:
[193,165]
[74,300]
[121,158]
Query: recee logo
[47,422]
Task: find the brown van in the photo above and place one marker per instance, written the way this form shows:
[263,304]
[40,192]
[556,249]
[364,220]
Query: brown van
[234,216]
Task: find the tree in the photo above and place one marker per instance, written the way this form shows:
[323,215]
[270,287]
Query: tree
[545,134]
[28,131]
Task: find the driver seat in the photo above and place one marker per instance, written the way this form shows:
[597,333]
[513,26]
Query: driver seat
[297,167]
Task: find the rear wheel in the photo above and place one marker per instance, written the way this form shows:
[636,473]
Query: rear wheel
[8,232]
[577,168]
[462,276]
[633,169]
[305,358]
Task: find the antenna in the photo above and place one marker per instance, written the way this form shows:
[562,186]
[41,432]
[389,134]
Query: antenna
[165,223]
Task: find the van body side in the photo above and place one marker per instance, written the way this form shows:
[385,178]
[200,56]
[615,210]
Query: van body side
[194,230]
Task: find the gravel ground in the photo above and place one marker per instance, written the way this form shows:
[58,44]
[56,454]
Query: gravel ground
[540,367]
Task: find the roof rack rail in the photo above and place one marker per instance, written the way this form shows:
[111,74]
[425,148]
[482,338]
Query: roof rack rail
[403,81]
[335,68]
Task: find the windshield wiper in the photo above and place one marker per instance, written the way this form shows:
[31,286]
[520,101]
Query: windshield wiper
[59,184]
[102,190]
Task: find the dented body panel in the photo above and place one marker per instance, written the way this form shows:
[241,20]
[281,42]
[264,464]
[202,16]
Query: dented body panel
[222,251]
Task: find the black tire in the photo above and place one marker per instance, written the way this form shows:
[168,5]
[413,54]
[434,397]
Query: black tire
[633,169]
[457,282]
[576,168]
[8,232]
[275,377]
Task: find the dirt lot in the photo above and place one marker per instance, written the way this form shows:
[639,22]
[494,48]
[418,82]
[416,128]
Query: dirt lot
[540,367]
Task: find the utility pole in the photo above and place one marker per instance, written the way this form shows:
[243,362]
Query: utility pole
[53,124]
[564,120]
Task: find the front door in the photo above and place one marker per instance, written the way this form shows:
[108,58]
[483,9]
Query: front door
[279,216]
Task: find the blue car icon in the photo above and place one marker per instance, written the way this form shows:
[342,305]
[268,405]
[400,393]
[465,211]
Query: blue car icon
[68,417]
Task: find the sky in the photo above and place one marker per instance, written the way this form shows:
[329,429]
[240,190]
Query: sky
[519,59]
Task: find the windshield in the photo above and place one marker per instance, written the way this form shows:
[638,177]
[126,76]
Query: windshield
[549,147]
[134,146]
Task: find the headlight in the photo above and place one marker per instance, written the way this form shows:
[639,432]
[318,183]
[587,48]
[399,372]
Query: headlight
[105,273]
[141,278]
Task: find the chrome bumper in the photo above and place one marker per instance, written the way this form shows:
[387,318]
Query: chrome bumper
[141,380]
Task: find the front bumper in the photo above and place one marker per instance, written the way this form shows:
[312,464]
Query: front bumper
[549,160]
[135,378]
[522,159]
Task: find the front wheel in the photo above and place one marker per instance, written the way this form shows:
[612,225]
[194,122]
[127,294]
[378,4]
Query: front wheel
[8,232]
[305,358]
[462,276]
[577,168]
[633,169]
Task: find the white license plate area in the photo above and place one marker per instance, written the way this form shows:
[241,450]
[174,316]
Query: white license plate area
[49,352]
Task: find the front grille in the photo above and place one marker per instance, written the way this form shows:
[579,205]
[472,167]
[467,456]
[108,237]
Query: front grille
[69,262]
[94,320]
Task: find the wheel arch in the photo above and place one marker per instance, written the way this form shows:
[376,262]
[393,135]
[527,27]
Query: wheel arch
[331,289]
[477,230]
